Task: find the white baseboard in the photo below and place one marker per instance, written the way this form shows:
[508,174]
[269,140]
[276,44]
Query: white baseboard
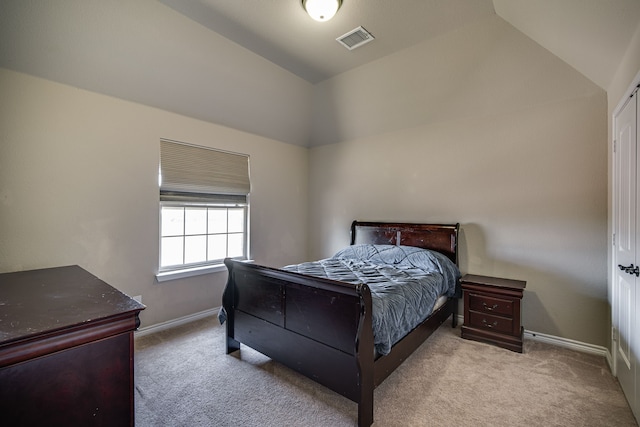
[176,322]
[564,342]
[535,336]
[568,343]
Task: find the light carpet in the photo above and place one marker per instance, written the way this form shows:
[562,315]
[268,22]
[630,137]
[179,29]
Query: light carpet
[184,378]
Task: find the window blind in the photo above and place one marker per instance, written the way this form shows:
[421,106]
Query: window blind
[197,174]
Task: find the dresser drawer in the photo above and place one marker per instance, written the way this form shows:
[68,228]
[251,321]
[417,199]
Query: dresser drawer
[490,304]
[491,322]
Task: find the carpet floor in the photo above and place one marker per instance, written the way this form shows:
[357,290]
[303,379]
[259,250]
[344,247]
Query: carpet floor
[184,378]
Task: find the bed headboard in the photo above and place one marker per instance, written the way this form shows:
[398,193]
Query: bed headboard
[439,237]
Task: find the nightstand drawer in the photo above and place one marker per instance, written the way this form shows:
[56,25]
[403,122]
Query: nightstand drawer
[491,305]
[490,322]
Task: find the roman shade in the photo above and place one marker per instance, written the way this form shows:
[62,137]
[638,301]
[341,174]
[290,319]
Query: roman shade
[190,173]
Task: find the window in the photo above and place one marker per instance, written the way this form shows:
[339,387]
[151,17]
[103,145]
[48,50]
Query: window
[197,235]
[203,207]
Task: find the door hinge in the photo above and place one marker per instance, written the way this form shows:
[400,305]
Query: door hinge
[614,145]
[613,239]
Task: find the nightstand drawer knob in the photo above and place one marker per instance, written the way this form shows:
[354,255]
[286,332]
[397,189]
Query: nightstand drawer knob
[489,325]
[488,307]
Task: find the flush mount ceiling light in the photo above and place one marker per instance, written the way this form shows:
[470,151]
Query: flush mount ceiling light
[321,10]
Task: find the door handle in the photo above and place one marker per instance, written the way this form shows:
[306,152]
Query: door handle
[630,269]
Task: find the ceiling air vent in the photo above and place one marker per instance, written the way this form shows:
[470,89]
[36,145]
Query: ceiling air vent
[355,38]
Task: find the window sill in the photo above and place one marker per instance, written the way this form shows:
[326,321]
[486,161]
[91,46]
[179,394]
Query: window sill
[165,276]
[189,272]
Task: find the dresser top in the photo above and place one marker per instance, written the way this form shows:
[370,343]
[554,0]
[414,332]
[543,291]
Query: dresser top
[37,302]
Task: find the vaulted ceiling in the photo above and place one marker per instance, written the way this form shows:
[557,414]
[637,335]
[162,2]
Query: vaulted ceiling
[590,35]
[200,57]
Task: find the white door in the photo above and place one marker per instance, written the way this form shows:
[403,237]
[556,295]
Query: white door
[627,216]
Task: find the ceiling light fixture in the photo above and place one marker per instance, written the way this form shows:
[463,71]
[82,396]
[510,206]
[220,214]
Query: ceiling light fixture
[321,10]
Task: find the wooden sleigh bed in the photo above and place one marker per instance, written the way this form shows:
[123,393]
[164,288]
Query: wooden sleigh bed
[322,328]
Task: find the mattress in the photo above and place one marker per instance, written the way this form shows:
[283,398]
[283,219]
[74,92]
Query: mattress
[406,284]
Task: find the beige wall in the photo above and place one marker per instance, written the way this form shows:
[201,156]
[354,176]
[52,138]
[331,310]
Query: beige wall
[79,185]
[480,126]
[483,127]
[627,71]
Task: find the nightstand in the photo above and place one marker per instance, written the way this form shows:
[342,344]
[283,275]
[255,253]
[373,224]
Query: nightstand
[492,310]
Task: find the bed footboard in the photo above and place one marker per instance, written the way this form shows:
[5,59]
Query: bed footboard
[318,327]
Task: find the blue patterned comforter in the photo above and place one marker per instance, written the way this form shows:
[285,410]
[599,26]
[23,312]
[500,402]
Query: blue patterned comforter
[405,283]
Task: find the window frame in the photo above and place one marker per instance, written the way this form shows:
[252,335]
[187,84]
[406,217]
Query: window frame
[202,267]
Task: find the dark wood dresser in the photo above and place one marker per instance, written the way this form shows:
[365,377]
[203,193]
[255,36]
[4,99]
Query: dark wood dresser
[66,349]
[492,310]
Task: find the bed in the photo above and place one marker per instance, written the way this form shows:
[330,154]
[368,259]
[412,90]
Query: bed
[324,328]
